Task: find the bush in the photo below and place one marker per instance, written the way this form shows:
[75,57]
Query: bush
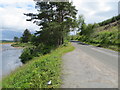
[26,55]
[44,49]
[34,51]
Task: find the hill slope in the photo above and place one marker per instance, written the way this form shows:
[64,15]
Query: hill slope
[106,36]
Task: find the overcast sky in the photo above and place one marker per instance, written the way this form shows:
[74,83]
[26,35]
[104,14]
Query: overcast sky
[12,18]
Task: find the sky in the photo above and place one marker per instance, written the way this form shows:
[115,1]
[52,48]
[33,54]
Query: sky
[12,18]
[96,10]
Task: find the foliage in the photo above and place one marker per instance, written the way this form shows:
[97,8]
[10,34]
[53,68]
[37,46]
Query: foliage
[55,19]
[28,54]
[38,72]
[107,38]
[97,35]
[74,37]
[16,39]
[111,20]
[87,30]
[18,44]
[33,39]
[34,51]
[26,36]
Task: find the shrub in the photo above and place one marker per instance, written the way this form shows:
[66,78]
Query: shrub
[34,51]
[26,55]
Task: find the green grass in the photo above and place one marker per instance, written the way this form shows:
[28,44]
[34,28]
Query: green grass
[21,44]
[0,84]
[39,71]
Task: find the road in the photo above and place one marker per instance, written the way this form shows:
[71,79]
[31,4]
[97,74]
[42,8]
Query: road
[90,67]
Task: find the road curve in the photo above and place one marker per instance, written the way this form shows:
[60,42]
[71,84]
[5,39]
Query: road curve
[90,67]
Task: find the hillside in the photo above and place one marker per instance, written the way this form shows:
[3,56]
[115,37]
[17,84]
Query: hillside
[109,26]
[104,35]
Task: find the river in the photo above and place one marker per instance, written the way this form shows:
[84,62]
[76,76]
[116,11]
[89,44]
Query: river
[9,59]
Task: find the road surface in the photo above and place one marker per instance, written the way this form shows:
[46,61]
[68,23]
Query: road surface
[90,67]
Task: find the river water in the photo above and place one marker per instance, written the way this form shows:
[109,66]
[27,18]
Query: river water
[9,59]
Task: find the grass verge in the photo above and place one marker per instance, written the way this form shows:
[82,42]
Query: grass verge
[39,71]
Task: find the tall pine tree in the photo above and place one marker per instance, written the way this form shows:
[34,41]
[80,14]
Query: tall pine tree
[55,20]
[26,36]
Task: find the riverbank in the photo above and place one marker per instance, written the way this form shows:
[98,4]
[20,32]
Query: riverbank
[21,44]
[9,59]
[7,43]
[40,72]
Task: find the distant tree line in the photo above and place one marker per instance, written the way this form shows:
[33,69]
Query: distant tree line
[111,20]
[16,39]
[87,30]
[25,38]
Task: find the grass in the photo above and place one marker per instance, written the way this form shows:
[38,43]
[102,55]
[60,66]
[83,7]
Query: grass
[18,44]
[39,71]
[0,84]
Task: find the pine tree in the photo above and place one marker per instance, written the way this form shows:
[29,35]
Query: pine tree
[56,19]
[16,39]
[26,36]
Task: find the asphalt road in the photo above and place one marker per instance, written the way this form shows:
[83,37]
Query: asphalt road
[90,67]
[108,57]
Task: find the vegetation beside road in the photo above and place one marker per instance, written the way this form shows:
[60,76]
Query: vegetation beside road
[104,34]
[43,49]
[107,39]
[55,24]
[41,59]
[39,71]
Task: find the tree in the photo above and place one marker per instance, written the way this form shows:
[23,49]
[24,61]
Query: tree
[26,36]
[16,39]
[111,20]
[87,30]
[56,19]
[90,29]
[95,25]
[83,29]
[80,22]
